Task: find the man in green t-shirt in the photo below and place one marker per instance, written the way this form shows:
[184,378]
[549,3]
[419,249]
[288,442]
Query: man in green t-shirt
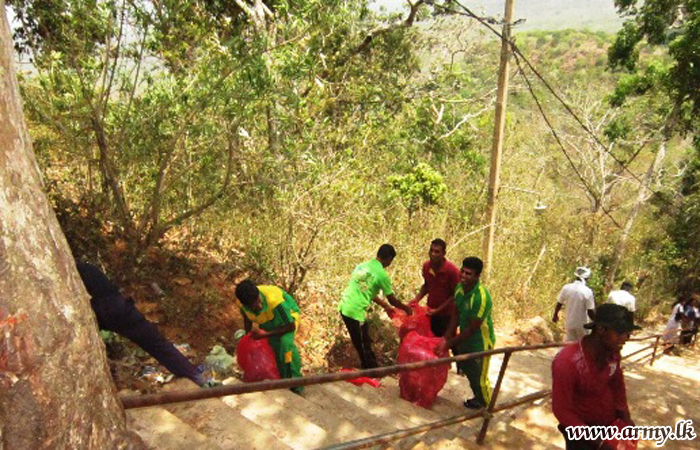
[366,281]
[473,303]
[277,316]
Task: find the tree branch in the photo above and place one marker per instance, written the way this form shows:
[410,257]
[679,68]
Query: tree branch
[369,37]
[157,231]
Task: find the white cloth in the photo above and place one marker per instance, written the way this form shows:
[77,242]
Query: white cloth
[673,325]
[575,334]
[578,299]
[623,298]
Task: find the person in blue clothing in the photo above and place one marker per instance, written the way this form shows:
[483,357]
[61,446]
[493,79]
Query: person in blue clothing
[118,314]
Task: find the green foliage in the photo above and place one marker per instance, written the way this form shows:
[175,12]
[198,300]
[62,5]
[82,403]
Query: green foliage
[675,26]
[326,144]
[618,129]
[639,84]
[422,186]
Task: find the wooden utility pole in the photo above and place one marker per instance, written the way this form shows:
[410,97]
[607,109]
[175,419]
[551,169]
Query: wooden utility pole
[498,132]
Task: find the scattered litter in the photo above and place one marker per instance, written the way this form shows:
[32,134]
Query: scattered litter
[219,362]
[239,334]
[185,349]
[375,383]
[157,289]
[182,281]
[155,376]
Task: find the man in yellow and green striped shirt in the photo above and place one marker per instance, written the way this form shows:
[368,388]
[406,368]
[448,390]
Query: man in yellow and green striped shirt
[277,316]
[476,334]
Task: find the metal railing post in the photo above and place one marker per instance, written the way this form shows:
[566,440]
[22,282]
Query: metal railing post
[653,355]
[494,397]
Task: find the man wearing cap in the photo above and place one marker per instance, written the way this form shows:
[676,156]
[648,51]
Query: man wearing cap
[588,387]
[623,297]
[580,306]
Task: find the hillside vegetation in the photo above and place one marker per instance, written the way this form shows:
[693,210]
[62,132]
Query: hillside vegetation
[286,150]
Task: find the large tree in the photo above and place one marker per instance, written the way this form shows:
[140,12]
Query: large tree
[666,81]
[55,387]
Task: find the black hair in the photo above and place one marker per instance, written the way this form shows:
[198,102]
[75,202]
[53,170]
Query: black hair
[386,251]
[247,292]
[439,243]
[680,298]
[626,285]
[474,263]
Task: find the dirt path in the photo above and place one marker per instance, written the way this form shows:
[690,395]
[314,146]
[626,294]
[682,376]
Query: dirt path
[659,395]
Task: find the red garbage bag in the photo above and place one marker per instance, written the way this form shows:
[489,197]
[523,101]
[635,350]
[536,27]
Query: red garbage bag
[421,386]
[362,380]
[418,322]
[257,359]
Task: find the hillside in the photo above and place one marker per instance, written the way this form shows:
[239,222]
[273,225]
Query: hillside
[595,15]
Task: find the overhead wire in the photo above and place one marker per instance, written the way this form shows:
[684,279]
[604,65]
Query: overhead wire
[487,22]
[585,182]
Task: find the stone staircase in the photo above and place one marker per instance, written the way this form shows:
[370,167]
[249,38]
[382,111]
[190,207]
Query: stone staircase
[338,412]
[334,413]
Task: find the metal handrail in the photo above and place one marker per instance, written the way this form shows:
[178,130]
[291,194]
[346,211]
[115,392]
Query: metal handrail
[138,401]
[486,413]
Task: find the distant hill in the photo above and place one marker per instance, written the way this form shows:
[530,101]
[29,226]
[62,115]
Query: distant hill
[596,15]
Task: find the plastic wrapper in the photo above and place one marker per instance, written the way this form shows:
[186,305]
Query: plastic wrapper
[219,362]
[421,386]
[375,383]
[257,359]
[418,322]
[155,376]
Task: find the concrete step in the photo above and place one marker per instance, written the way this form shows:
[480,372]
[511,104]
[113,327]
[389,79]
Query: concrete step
[286,424]
[502,436]
[445,444]
[162,430]
[223,425]
[533,374]
[416,415]
[337,428]
[327,399]
[538,420]
[392,412]
[441,409]
[389,392]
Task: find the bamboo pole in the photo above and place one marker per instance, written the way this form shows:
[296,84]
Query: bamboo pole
[498,132]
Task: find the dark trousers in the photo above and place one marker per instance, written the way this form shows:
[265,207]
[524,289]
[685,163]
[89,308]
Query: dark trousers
[359,334]
[687,336]
[576,445]
[117,314]
[439,324]
[477,372]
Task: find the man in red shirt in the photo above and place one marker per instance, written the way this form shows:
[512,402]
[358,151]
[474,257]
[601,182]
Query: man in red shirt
[588,388]
[441,278]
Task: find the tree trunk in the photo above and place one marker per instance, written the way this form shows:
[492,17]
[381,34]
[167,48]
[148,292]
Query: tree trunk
[641,196]
[55,387]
